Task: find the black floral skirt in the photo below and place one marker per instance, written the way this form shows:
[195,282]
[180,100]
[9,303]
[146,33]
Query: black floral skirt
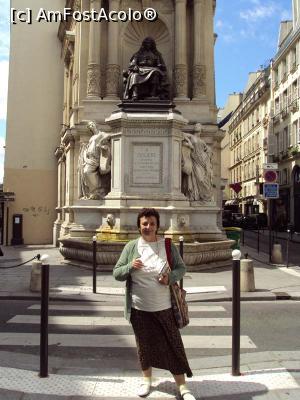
[159,342]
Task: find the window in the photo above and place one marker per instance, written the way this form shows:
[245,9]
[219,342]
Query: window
[277,105]
[276,77]
[283,70]
[284,99]
[294,133]
[280,141]
[293,59]
[294,90]
[284,176]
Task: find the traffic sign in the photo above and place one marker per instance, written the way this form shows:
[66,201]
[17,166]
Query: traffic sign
[237,187]
[273,166]
[271,190]
[270,175]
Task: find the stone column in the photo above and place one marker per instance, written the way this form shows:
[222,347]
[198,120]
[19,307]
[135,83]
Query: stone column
[180,75]
[113,67]
[199,69]
[93,72]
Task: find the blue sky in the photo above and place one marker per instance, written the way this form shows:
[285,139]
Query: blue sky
[247,38]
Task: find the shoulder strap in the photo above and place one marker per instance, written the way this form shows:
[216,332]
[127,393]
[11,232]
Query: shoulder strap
[168,251]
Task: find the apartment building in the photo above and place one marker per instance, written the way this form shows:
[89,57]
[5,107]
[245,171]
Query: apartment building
[247,132]
[265,127]
[284,138]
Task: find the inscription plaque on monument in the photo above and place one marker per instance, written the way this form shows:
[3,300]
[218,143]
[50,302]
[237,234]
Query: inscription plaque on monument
[146,164]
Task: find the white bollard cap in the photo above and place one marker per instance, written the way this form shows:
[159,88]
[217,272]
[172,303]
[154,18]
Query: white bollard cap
[94,238]
[44,259]
[181,238]
[236,254]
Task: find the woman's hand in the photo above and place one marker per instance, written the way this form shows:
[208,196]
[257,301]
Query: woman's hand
[137,263]
[164,279]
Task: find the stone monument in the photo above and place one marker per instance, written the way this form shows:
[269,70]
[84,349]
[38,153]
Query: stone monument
[140,130]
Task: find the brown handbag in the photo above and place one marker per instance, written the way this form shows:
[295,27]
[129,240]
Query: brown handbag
[178,294]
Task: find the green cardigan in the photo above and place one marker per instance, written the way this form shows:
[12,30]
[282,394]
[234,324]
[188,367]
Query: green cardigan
[123,268]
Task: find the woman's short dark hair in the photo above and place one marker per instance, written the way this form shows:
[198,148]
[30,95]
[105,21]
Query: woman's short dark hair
[147,212]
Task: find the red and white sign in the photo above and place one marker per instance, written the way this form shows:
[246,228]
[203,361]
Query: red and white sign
[270,176]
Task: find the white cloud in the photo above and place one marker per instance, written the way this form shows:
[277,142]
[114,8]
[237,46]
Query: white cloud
[219,23]
[4,28]
[259,11]
[3,88]
[226,31]
[286,15]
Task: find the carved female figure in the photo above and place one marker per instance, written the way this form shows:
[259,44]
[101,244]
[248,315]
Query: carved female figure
[196,168]
[94,165]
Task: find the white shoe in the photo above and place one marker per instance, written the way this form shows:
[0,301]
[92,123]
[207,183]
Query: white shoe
[187,395]
[144,389]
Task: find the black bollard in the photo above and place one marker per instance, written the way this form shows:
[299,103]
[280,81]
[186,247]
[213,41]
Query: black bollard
[181,255]
[288,248]
[44,319]
[270,244]
[236,302]
[258,238]
[94,264]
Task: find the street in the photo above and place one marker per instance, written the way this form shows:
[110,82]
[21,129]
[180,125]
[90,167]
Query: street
[93,332]
[254,239]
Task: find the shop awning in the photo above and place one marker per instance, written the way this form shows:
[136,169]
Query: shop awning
[231,202]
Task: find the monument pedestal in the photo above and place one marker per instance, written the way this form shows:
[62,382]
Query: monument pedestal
[146,148]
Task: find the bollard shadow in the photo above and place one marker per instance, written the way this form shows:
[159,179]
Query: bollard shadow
[215,389]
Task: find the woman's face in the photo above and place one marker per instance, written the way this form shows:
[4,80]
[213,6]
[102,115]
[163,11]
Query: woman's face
[148,227]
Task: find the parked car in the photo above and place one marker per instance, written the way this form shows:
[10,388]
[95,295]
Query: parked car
[237,219]
[255,221]
[231,219]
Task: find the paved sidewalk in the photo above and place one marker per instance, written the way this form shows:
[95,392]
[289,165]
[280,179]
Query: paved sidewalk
[72,282]
[265,376]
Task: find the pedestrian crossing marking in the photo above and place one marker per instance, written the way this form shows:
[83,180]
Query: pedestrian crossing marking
[121,290]
[105,321]
[91,307]
[114,341]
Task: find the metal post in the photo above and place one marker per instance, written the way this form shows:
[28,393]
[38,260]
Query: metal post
[236,299]
[258,237]
[181,239]
[44,318]
[287,248]
[94,264]
[270,244]
[7,222]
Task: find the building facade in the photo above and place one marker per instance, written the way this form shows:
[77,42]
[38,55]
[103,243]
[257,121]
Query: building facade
[265,128]
[34,118]
[247,132]
[284,139]
[74,72]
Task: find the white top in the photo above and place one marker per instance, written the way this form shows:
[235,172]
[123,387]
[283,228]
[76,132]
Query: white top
[147,293]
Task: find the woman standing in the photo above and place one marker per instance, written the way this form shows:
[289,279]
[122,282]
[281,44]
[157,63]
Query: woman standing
[143,265]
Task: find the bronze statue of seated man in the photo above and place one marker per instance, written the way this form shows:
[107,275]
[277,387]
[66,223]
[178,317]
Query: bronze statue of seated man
[147,74]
